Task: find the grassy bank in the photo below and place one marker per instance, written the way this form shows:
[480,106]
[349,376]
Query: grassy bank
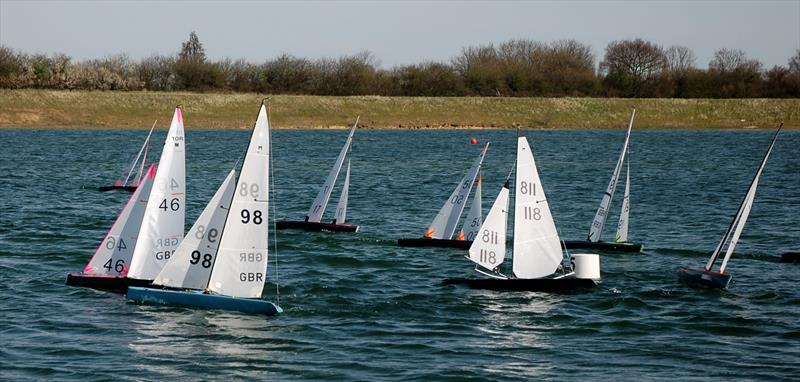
[45,108]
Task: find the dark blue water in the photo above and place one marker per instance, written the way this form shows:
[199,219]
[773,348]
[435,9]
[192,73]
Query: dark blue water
[359,308]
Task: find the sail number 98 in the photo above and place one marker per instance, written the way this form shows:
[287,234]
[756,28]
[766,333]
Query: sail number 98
[206,263]
[252,189]
[255,218]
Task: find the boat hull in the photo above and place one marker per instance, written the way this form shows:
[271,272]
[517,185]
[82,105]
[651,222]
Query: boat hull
[102,282]
[602,246]
[198,299]
[529,285]
[790,257]
[700,278]
[112,188]
[442,243]
[312,226]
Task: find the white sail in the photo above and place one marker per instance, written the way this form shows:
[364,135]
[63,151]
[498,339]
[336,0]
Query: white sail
[141,167]
[341,207]
[165,216]
[537,247]
[240,268]
[489,247]
[474,219]
[113,256]
[622,227]
[190,265]
[133,164]
[602,212]
[321,201]
[444,224]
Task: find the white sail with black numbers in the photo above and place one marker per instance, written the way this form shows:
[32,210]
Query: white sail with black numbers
[444,224]
[321,201]
[489,247]
[113,256]
[165,216]
[537,247]
[622,227]
[240,267]
[474,219]
[190,265]
[596,231]
[341,207]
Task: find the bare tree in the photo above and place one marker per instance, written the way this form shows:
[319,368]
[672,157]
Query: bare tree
[679,59]
[192,49]
[629,65]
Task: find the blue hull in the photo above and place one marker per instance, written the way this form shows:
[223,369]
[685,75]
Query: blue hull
[700,278]
[197,299]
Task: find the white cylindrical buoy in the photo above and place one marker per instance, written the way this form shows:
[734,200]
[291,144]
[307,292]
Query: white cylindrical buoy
[586,266]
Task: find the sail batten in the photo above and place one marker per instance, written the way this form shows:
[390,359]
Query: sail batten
[321,201]
[596,230]
[164,218]
[444,224]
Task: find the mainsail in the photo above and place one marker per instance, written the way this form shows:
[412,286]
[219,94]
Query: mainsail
[113,256]
[537,247]
[602,212]
[622,227]
[190,265]
[164,218]
[240,268]
[341,207]
[472,223]
[321,201]
[444,224]
[737,225]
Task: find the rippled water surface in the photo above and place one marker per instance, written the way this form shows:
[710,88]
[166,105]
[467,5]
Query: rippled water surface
[359,308]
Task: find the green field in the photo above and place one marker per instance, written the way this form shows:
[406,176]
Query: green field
[106,109]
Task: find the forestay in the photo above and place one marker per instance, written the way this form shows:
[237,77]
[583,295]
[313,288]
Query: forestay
[537,247]
[321,201]
[622,227]
[113,256]
[241,264]
[341,207]
[190,265]
[444,224]
[489,247]
[164,218]
[472,223]
[602,212]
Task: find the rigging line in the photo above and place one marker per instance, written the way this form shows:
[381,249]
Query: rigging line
[133,165]
[274,213]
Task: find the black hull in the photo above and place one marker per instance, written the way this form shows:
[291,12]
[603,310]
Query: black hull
[528,285]
[106,283]
[112,188]
[790,257]
[441,243]
[602,246]
[312,226]
[700,278]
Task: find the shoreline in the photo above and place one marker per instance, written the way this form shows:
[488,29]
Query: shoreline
[32,108]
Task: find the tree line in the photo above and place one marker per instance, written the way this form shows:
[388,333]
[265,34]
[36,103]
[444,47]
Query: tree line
[515,68]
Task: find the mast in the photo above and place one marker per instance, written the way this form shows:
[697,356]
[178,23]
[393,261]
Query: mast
[602,212]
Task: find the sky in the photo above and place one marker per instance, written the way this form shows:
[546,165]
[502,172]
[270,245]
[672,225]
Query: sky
[396,32]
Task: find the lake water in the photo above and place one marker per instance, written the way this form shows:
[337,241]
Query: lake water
[357,307]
